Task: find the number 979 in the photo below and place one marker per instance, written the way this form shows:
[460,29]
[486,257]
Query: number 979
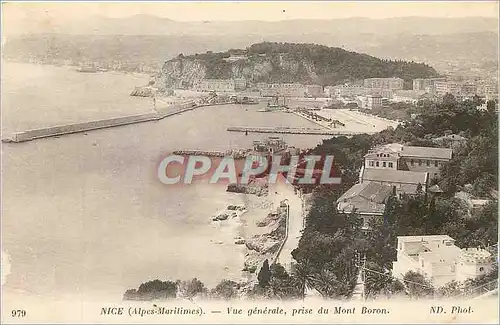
[18,313]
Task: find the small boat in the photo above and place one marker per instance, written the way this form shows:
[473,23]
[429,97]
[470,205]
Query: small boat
[87,69]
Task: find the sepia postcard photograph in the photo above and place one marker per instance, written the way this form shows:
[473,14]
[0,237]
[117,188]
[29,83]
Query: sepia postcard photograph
[247,162]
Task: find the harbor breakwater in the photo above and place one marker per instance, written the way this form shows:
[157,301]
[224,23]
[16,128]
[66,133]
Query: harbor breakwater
[59,130]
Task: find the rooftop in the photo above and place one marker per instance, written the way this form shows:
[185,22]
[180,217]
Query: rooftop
[407,239]
[394,176]
[365,198]
[370,191]
[426,152]
[411,151]
[442,254]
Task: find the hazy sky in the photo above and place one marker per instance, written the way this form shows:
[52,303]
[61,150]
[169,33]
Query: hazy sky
[224,10]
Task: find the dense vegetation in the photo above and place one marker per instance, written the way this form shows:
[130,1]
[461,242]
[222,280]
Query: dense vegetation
[308,64]
[332,244]
[332,241]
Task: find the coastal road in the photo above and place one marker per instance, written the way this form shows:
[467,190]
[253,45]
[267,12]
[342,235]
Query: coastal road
[295,222]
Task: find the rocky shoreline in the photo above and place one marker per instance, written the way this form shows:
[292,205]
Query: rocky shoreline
[262,237]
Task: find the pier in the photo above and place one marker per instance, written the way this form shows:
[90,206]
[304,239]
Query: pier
[291,130]
[53,131]
[235,153]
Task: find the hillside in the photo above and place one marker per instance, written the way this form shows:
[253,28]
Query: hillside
[287,63]
[147,52]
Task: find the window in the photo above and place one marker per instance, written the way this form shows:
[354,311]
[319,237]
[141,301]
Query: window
[384,164]
[428,163]
[371,163]
[436,164]
[420,162]
[412,162]
[481,269]
[376,164]
[391,165]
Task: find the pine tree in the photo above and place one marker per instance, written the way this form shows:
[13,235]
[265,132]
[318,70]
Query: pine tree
[264,274]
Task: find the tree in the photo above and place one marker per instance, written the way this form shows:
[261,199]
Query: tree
[282,284]
[451,289]
[157,289]
[264,274]
[130,294]
[303,276]
[377,284]
[190,289]
[417,285]
[226,289]
[326,283]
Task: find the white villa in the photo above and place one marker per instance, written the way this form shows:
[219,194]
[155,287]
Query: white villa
[439,260]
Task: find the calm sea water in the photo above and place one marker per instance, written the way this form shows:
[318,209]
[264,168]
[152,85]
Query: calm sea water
[85,214]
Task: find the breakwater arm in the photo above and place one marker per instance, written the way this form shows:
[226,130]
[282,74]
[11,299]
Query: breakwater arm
[59,130]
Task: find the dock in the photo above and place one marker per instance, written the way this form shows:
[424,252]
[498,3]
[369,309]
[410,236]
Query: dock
[291,130]
[235,153]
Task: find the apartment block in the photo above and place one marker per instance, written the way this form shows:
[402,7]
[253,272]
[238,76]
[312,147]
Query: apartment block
[384,83]
[217,85]
[425,84]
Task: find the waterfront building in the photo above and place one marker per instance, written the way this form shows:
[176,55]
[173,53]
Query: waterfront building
[346,90]
[411,158]
[217,85]
[457,89]
[446,87]
[314,91]
[384,93]
[367,199]
[283,89]
[240,84]
[426,85]
[439,260]
[407,96]
[384,83]
[373,101]
[369,101]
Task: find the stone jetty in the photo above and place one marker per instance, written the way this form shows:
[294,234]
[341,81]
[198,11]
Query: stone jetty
[290,130]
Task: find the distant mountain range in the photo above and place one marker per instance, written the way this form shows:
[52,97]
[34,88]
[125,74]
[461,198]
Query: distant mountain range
[144,42]
[153,25]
